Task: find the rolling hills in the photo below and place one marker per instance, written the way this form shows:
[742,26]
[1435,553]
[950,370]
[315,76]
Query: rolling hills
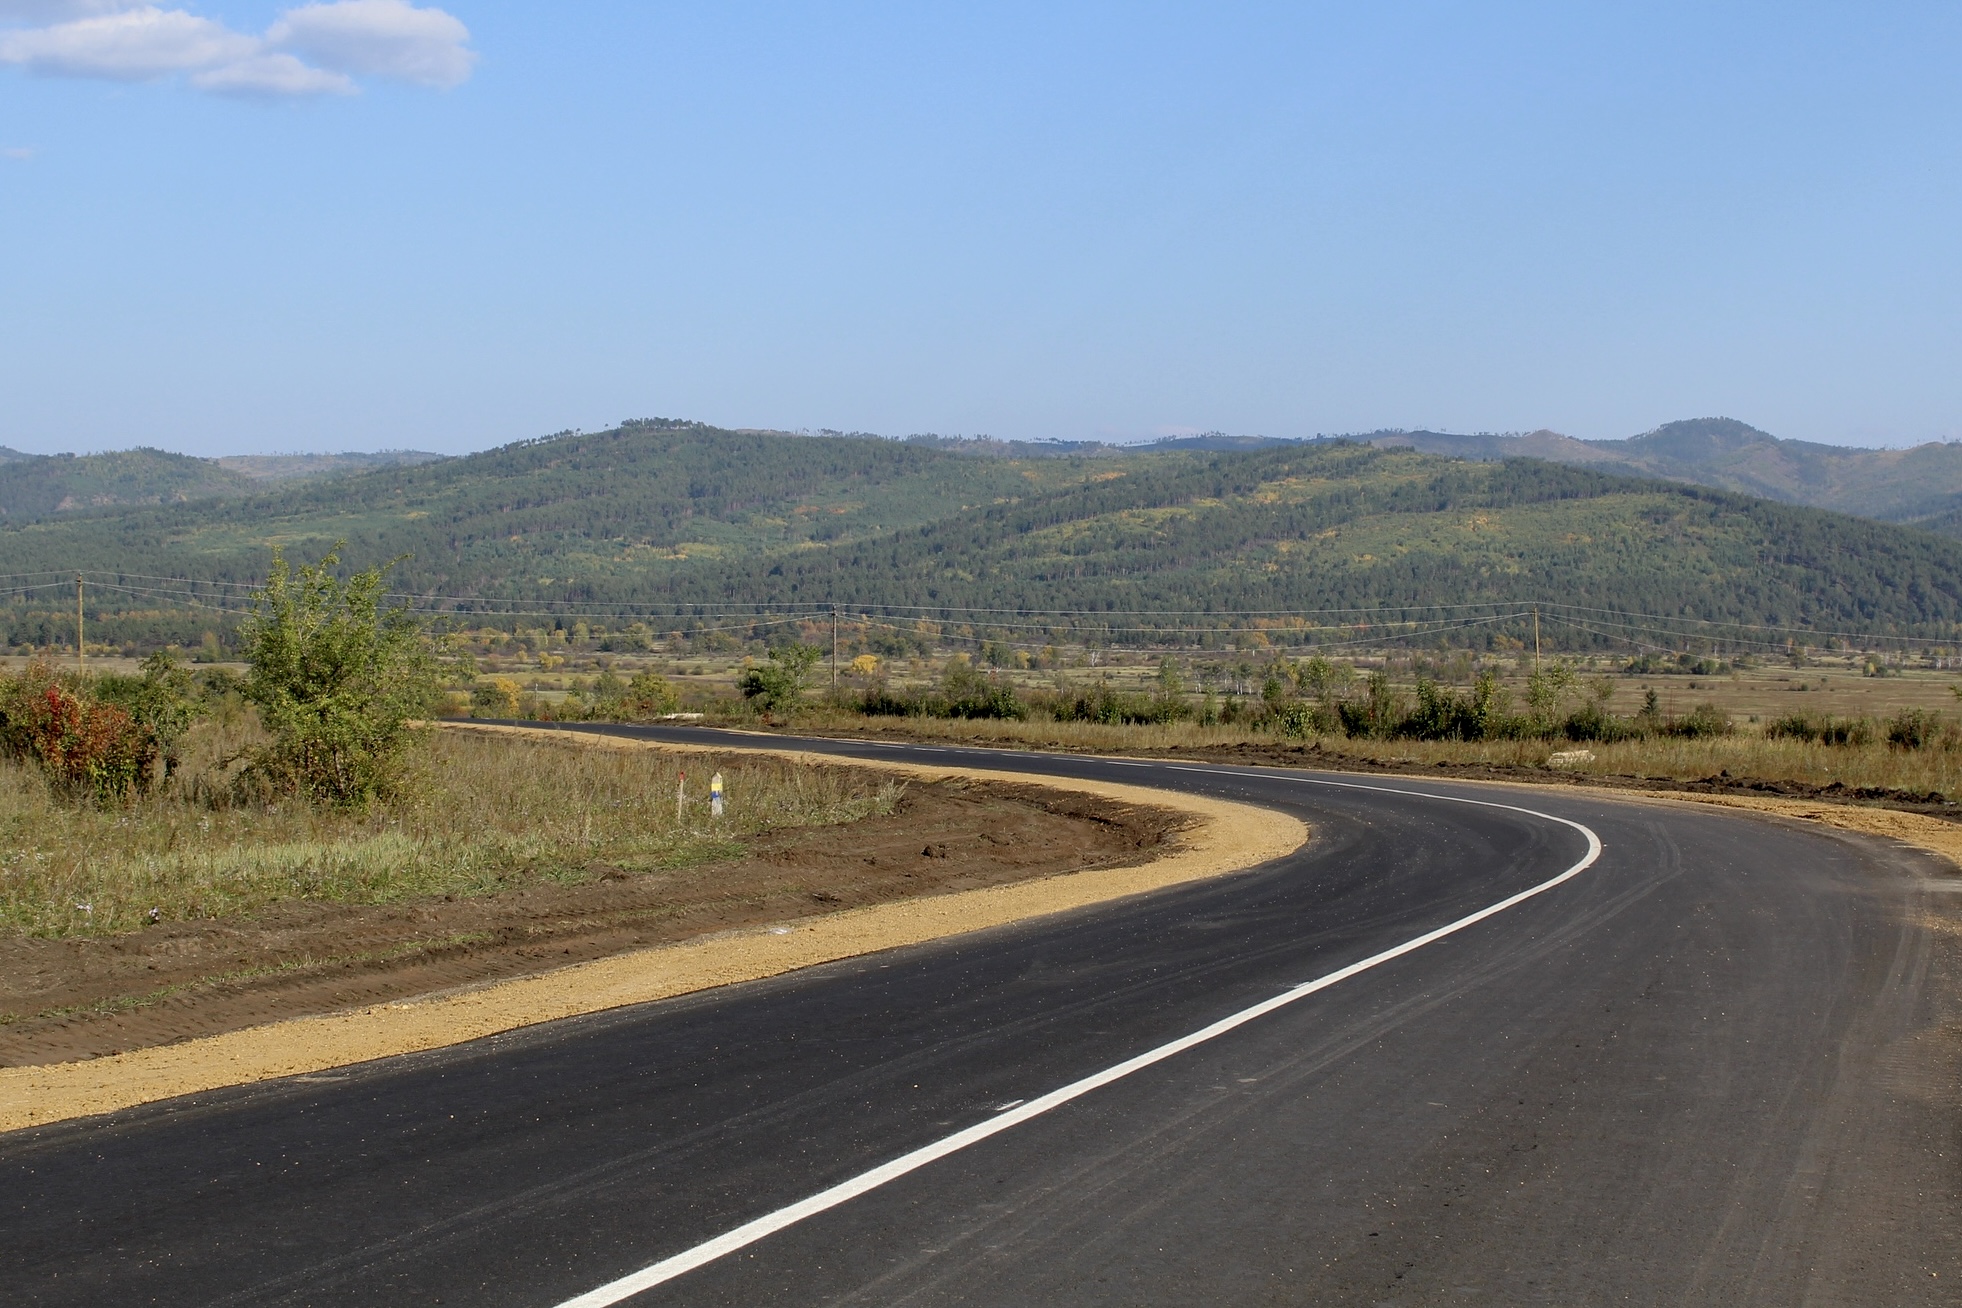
[683,519]
[1922,485]
[36,486]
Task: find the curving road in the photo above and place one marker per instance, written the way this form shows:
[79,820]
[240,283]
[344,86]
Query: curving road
[1717,1065]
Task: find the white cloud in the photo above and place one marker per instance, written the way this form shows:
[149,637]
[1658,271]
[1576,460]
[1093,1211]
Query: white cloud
[54,11]
[272,75]
[129,46]
[383,38]
[315,49]
[21,152]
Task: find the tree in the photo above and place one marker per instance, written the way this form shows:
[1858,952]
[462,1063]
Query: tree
[338,681]
[495,698]
[780,683]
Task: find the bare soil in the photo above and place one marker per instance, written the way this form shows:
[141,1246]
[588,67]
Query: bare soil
[62,1000]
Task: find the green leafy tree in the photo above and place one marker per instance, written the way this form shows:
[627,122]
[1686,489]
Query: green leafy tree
[1545,688]
[339,682]
[647,696]
[780,683]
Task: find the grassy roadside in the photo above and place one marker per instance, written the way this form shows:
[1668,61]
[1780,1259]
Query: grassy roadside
[490,816]
[1742,761]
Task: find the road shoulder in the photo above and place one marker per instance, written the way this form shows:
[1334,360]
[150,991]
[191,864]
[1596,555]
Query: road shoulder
[1221,837]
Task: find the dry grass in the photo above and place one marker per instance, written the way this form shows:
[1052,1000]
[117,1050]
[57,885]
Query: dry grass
[1746,754]
[1742,755]
[490,815]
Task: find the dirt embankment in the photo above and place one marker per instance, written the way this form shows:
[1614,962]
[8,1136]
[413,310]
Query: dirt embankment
[79,999]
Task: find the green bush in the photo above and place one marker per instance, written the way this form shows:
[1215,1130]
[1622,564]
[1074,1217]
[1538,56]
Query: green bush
[1593,724]
[780,683]
[1823,731]
[1443,715]
[1915,729]
[162,697]
[338,682]
[1702,721]
[963,693]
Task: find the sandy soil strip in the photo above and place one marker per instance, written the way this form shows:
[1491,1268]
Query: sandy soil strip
[1223,837]
[1937,835]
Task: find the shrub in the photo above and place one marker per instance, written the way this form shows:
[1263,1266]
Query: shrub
[879,701]
[87,749]
[1702,721]
[1442,715]
[1111,707]
[1824,731]
[338,683]
[1687,665]
[1376,715]
[1592,724]
[1294,720]
[1846,731]
[1914,729]
[780,683]
[965,693]
[162,697]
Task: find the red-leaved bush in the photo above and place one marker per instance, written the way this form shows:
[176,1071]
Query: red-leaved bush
[86,748]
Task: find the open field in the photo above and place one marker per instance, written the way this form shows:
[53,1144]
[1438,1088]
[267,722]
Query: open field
[1838,686]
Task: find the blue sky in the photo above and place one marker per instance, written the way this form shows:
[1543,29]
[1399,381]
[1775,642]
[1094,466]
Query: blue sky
[355,226]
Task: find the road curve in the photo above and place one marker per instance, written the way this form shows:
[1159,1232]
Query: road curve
[1715,1066]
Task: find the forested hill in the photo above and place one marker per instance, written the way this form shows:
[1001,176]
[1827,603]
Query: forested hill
[593,513]
[42,486]
[681,516]
[1346,526]
[34,486]
[1922,485]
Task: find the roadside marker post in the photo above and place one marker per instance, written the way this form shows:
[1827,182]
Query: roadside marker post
[680,794]
[715,795]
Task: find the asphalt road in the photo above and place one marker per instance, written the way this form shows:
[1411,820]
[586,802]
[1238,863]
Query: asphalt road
[1717,1066]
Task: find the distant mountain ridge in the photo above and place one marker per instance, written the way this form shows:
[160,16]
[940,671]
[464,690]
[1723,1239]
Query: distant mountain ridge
[37,486]
[1921,486]
[694,521]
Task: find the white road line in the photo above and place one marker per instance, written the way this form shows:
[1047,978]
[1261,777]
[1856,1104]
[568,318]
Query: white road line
[770,1223]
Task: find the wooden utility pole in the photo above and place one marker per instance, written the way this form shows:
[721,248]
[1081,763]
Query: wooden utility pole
[81,650]
[1536,640]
